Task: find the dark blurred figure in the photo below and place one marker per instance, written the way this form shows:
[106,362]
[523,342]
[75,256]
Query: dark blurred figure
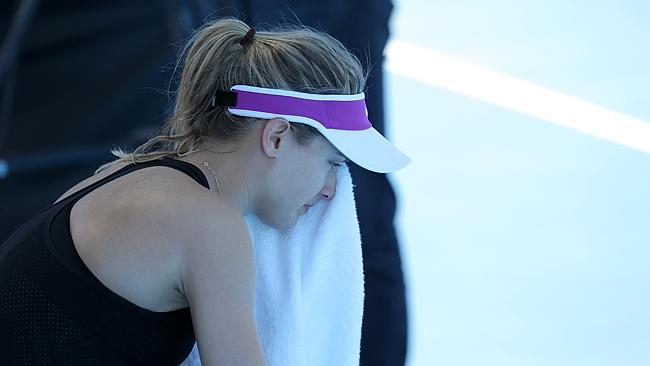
[92,74]
[88,75]
[362,26]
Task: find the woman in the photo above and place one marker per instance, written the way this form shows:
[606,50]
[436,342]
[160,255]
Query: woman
[133,264]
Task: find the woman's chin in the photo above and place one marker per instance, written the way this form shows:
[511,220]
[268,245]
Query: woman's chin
[284,223]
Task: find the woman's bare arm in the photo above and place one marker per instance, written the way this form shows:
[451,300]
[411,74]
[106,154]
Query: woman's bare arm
[218,279]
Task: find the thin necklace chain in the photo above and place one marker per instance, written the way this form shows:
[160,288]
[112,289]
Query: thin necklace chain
[205,164]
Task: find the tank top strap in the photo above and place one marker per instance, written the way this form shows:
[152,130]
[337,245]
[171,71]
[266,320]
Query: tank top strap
[185,167]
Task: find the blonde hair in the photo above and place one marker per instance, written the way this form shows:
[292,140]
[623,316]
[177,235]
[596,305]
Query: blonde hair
[286,57]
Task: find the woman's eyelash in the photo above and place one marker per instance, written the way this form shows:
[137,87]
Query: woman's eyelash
[340,164]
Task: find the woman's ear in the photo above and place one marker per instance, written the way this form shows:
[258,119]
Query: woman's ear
[276,135]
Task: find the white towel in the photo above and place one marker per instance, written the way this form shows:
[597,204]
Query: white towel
[309,285]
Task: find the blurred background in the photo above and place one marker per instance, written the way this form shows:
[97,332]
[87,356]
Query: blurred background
[525,239]
[523,223]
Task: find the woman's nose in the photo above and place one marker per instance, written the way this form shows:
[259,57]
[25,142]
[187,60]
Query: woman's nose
[329,190]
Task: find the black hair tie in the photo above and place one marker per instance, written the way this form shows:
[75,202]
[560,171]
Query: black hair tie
[247,40]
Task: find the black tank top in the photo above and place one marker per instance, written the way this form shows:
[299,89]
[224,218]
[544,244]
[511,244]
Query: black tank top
[54,311]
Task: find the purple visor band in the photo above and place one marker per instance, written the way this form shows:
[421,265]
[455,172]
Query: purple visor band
[331,111]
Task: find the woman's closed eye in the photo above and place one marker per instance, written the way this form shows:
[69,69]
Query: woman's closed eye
[338,164]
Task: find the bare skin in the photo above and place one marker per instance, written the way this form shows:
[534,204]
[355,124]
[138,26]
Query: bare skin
[162,241]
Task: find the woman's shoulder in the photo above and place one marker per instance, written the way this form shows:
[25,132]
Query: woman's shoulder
[160,225]
[155,217]
[137,182]
[193,218]
[91,180]
[156,202]
[169,201]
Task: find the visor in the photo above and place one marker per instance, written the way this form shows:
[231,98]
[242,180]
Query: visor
[341,119]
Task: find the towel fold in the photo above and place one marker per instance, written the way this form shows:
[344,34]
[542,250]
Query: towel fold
[309,284]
